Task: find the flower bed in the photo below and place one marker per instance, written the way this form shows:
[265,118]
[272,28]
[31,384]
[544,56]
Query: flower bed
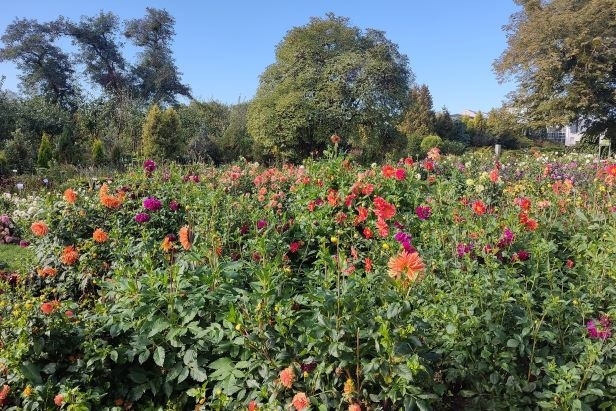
[446,283]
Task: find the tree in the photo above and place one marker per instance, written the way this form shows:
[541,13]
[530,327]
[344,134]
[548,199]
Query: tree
[157,74]
[98,154]
[236,141]
[45,152]
[97,38]
[160,138]
[46,69]
[419,118]
[329,78]
[19,153]
[505,127]
[562,53]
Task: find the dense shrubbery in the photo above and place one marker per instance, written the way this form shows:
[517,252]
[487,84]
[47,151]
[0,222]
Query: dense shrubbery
[449,283]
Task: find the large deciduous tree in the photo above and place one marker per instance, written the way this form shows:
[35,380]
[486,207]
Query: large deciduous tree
[330,77]
[157,74]
[562,53]
[45,68]
[98,41]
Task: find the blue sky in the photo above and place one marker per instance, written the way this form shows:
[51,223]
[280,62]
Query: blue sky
[222,47]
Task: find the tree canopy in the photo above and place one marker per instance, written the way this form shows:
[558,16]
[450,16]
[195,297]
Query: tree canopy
[562,53]
[47,69]
[330,77]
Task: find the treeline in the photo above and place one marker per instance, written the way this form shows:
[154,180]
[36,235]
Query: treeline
[328,78]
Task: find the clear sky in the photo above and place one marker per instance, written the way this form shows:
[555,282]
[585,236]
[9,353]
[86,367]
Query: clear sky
[221,47]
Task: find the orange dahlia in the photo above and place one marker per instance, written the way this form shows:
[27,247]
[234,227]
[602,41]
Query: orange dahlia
[39,228]
[100,236]
[300,401]
[69,255]
[167,244]
[47,272]
[287,376]
[409,264]
[70,196]
[184,235]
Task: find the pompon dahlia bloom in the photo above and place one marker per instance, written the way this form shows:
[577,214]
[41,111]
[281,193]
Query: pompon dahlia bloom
[69,255]
[39,228]
[100,236]
[184,235]
[407,264]
[423,212]
[70,196]
[287,376]
[152,204]
[142,218]
[300,401]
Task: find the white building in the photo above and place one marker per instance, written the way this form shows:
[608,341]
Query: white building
[568,135]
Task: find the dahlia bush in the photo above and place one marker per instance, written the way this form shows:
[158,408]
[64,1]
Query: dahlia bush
[442,283]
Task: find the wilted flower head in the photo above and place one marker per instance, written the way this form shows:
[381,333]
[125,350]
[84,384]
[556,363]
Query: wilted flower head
[185,239]
[599,330]
[5,220]
[149,166]
[463,249]
[405,241]
[507,238]
[174,205]
[520,255]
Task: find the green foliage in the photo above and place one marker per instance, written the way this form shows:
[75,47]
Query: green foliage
[19,153]
[46,68]
[452,147]
[98,153]
[45,152]
[356,86]
[419,117]
[159,137]
[16,259]
[429,142]
[159,78]
[286,276]
[563,57]
[4,165]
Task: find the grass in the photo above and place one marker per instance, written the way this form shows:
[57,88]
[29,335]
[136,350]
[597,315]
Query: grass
[15,258]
